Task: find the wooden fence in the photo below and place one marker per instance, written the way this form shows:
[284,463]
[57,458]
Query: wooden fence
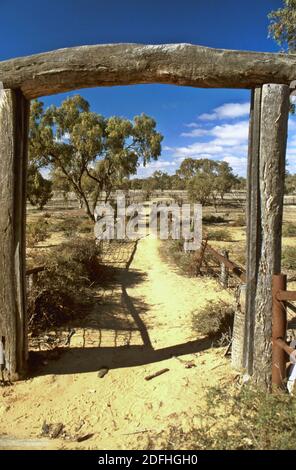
[282,299]
[225,265]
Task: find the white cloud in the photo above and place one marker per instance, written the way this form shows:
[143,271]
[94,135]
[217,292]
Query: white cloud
[197,132]
[238,164]
[226,134]
[227,111]
[159,165]
[226,142]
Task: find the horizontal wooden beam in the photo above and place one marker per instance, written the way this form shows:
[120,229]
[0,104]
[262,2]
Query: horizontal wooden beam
[35,270]
[127,64]
[234,268]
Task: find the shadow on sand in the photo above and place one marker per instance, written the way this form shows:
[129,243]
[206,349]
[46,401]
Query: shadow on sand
[108,316]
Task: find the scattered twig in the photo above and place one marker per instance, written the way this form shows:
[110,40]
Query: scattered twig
[156,374]
[136,432]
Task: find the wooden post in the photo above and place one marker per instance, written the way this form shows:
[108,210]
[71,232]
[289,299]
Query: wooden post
[273,139]
[279,327]
[14,112]
[224,270]
[253,227]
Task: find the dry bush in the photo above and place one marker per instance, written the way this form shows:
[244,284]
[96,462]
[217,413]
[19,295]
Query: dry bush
[86,226]
[213,219]
[289,257]
[37,231]
[289,230]
[215,318]
[65,285]
[68,226]
[221,234]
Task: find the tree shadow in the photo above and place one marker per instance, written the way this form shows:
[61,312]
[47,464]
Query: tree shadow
[82,360]
[117,313]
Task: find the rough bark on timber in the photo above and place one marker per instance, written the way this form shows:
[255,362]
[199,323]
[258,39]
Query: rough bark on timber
[273,138]
[253,227]
[126,64]
[14,111]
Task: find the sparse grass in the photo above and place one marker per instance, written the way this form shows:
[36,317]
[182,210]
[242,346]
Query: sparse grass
[243,420]
[289,230]
[240,221]
[222,235]
[172,251]
[289,257]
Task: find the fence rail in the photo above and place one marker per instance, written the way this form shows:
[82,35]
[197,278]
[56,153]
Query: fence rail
[35,270]
[227,266]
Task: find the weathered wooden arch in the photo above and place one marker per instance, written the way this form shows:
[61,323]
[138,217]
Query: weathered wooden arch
[268,75]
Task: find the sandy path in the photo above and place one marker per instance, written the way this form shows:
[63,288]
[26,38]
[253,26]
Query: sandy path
[142,325]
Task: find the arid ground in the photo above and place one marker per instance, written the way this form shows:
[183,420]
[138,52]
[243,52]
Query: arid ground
[140,324]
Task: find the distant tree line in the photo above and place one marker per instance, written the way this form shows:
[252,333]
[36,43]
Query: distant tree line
[90,155]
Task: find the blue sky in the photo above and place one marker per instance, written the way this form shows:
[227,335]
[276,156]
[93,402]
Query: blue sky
[196,123]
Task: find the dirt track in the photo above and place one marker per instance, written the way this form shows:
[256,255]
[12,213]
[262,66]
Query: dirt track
[142,324]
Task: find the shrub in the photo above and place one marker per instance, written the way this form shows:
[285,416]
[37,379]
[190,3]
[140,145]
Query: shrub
[289,257]
[289,230]
[64,286]
[213,219]
[86,227]
[215,318]
[222,235]
[68,226]
[37,231]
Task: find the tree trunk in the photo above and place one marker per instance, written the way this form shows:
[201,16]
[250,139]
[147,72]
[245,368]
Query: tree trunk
[14,113]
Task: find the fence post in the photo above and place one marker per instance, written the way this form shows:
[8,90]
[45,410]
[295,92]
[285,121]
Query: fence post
[14,119]
[224,270]
[279,326]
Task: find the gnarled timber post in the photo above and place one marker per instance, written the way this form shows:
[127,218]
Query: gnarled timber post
[268,140]
[14,112]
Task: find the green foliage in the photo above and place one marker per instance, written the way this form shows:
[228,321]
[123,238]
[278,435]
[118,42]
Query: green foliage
[37,231]
[289,230]
[215,318]
[88,152]
[282,26]
[289,257]
[39,189]
[220,234]
[64,287]
[200,189]
[206,179]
